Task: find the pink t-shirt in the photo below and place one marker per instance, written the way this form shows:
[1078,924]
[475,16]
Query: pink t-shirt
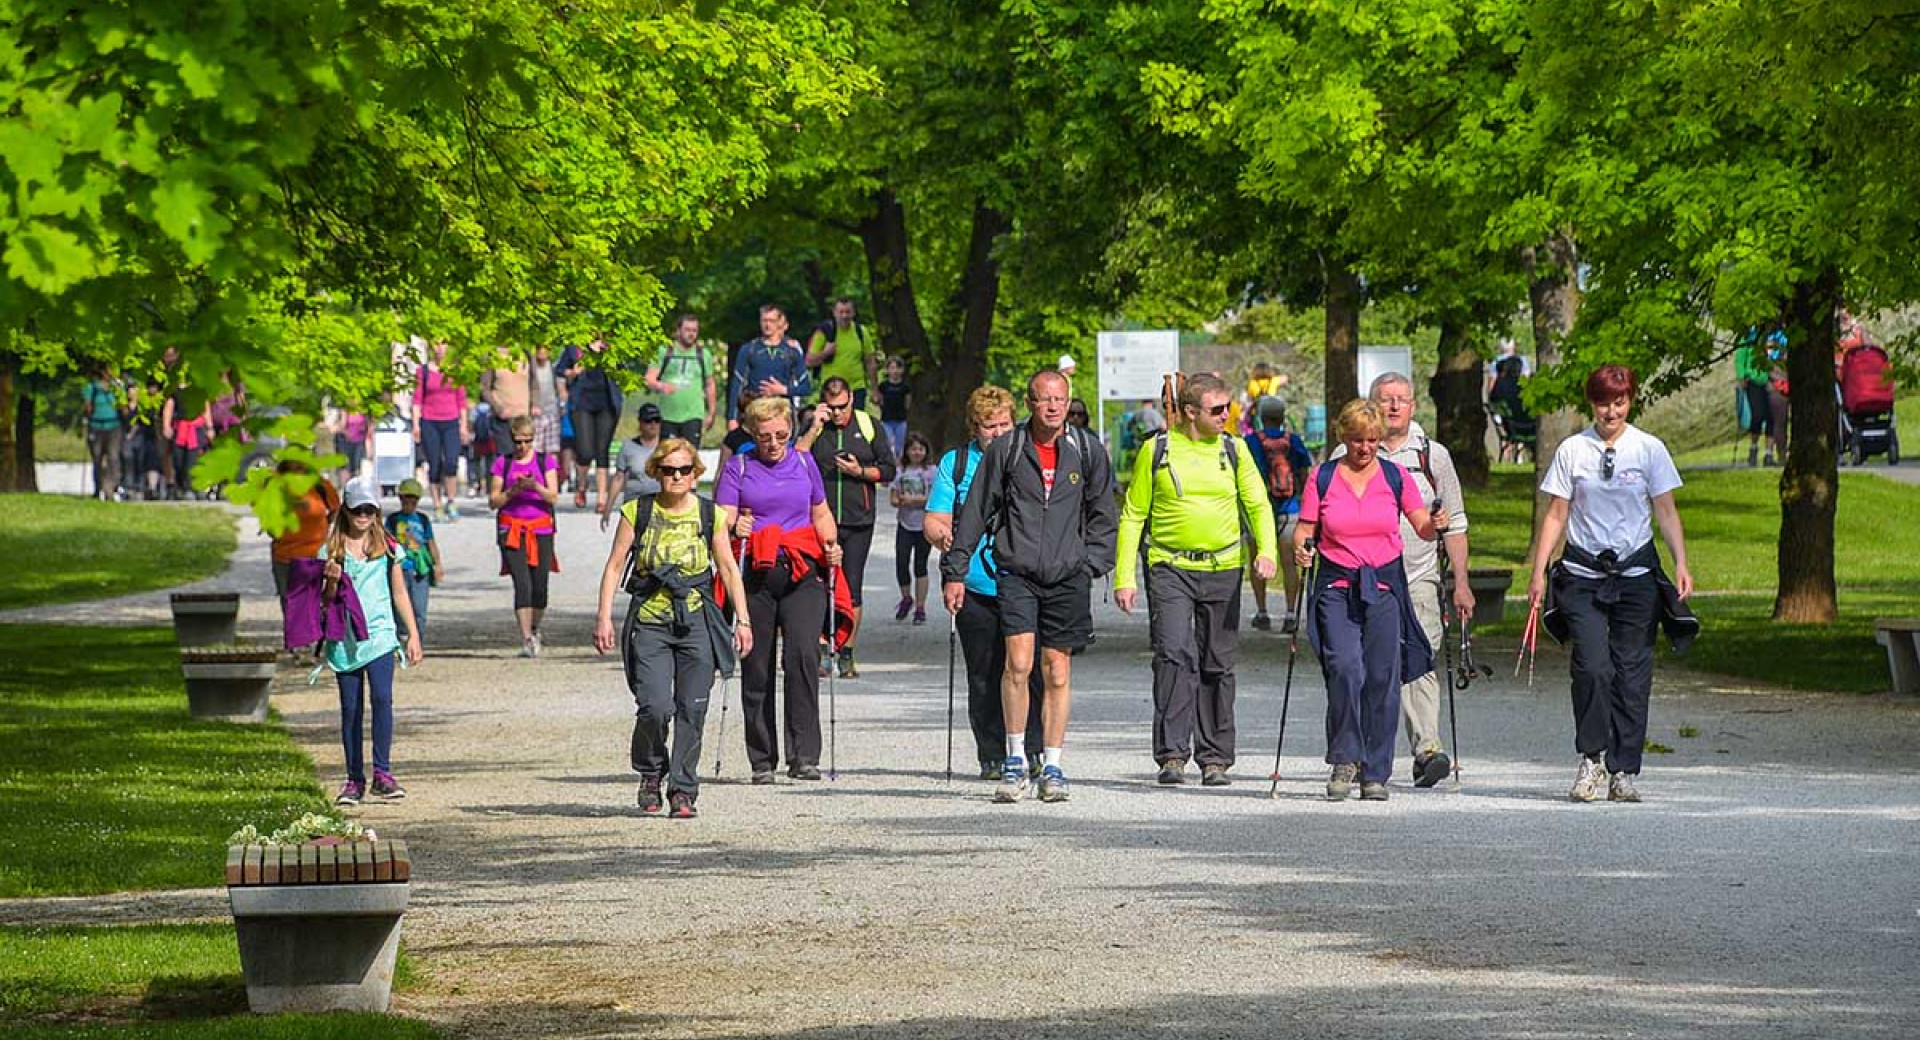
[1360,530]
[437,398]
[525,505]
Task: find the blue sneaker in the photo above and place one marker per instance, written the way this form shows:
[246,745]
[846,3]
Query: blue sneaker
[1053,784]
[1013,782]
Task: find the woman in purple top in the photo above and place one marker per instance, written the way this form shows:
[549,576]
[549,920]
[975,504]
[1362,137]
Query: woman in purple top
[440,428]
[523,489]
[775,503]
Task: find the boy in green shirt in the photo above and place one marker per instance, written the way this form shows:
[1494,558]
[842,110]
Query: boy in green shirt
[1195,491]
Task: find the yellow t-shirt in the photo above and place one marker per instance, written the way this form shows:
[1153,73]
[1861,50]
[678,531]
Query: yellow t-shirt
[669,538]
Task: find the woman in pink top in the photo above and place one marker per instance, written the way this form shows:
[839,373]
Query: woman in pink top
[440,428]
[1358,613]
[524,486]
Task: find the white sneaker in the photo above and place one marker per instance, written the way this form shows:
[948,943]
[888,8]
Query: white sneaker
[1593,777]
[1620,788]
[1013,782]
[530,647]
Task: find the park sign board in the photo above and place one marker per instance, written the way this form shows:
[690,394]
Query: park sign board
[1377,361]
[1131,365]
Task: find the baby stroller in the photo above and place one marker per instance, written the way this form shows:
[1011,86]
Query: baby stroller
[1866,405]
[1517,428]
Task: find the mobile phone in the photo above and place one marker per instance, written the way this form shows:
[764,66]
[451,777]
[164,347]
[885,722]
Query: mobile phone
[844,455]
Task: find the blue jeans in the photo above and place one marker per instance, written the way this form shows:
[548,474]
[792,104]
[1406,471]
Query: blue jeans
[440,442]
[377,679]
[417,586]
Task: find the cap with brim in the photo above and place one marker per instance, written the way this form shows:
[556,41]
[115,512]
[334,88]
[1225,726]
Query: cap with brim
[410,488]
[360,492]
[649,412]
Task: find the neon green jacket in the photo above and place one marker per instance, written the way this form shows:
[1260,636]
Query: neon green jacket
[1203,515]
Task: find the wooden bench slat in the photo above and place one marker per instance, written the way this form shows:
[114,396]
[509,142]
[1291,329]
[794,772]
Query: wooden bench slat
[270,866]
[382,861]
[250,868]
[329,864]
[236,864]
[309,865]
[402,865]
[363,861]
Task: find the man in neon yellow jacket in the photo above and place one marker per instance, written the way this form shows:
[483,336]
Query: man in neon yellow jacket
[1196,493]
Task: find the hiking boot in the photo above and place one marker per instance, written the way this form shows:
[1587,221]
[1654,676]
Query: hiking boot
[1053,784]
[1290,625]
[1586,787]
[350,793]
[1214,776]
[1620,788]
[1263,621]
[682,804]
[1373,790]
[649,795]
[762,777]
[1173,771]
[990,770]
[901,608]
[804,772]
[1431,768]
[1013,782]
[385,786]
[1340,781]
[919,615]
[847,670]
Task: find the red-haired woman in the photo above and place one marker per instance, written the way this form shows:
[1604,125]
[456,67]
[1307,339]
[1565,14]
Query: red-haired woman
[1607,486]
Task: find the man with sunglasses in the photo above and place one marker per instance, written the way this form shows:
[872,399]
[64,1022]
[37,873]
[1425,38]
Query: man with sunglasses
[854,457]
[1192,488]
[1044,494]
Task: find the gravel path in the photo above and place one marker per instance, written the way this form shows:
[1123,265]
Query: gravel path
[1769,887]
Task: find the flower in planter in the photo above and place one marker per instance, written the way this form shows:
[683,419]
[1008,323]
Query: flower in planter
[314,827]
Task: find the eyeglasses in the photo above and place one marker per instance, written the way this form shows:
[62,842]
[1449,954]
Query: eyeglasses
[676,471]
[368,510]
[1606,464]
[1219,409]
[523,440]
[775,436]
[1037,401]
[1400,401]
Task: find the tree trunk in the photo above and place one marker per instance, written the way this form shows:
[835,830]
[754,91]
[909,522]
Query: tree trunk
[23,421]
[819,287]
[941,394]
[896,313]
[1343,338]
[1810,483]
[9,396]
[1553,290]
[1460,421]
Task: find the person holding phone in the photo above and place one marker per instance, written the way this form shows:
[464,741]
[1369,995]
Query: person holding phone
[523,489]
[854,457]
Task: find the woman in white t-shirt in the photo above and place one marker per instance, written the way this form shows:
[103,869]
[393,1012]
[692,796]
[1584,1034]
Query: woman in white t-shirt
[1607,486]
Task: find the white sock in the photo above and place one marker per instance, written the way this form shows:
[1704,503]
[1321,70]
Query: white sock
[1017,746]
[1050,757]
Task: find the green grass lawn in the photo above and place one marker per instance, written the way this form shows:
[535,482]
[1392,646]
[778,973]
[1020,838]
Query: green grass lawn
[67,549]
[1732,518]
[108,784]
[166,980]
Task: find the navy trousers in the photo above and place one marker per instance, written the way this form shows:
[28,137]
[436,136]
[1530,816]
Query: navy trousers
[1359,640]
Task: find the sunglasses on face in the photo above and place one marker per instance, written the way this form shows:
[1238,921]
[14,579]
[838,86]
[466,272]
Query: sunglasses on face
[1606,464]
[774,436]
[676,471]
[1219,409]
[523,440]
[365,510]
[838,408]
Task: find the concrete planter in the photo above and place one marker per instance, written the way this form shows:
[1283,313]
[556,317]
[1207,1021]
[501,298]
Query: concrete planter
[1489,585]
[318,923]
[230,685]
[205,618]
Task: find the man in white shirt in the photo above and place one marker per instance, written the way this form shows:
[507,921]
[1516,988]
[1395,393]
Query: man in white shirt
[1431,467]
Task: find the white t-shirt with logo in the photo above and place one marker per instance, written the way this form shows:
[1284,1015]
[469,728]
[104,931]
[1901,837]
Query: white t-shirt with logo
[1612,514]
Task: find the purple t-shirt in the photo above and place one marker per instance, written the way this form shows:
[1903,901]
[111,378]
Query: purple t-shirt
[528,504]
[781,495]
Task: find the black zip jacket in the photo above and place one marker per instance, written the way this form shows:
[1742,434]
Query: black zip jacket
[850,498]
[1045,540]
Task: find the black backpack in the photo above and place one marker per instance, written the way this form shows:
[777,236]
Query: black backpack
[642,516]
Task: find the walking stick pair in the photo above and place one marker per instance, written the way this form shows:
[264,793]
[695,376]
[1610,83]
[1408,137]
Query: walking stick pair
[1303,617]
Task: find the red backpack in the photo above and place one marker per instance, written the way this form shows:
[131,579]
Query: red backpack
[1281,483]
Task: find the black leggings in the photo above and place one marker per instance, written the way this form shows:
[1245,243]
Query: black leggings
[529,583]
[592,433]
[788,617]
[856,543]
[910,550]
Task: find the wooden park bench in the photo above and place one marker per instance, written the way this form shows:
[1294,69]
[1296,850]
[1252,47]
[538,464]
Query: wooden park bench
[319,924]
[1901,637]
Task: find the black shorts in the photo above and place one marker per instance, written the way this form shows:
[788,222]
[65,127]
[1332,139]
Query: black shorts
[856,544]
[1059,616]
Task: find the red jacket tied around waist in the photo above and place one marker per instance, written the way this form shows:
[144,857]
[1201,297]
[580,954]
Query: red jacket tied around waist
[803,552]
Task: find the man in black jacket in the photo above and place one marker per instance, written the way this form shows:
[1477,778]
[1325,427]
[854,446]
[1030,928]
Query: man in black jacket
[1044,494]
[853,455]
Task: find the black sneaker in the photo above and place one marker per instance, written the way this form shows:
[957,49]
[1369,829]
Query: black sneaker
[649,795]
[990,770]
[1432,769]
[804,772]
[762,777]
[1214,776]
[682,806]
[1263,621]
[1172,772]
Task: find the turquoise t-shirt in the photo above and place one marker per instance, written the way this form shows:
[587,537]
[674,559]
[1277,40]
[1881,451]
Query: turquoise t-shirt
[946,497]
[370,581]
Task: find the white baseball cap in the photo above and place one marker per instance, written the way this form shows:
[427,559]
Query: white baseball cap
[360,491]
[1066,363]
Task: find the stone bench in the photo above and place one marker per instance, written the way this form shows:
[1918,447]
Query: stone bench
[1901,637]
[318,924]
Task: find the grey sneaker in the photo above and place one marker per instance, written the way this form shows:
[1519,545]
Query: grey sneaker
[1053,784]
[1620,788]
[1373,791]
[1586,787]
[1340,783]
[1013,782]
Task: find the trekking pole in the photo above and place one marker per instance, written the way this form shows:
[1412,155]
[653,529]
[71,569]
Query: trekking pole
[953,636]
[1301,604]
[720,747]
[1526,637]
[833,724]
[1446,679]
